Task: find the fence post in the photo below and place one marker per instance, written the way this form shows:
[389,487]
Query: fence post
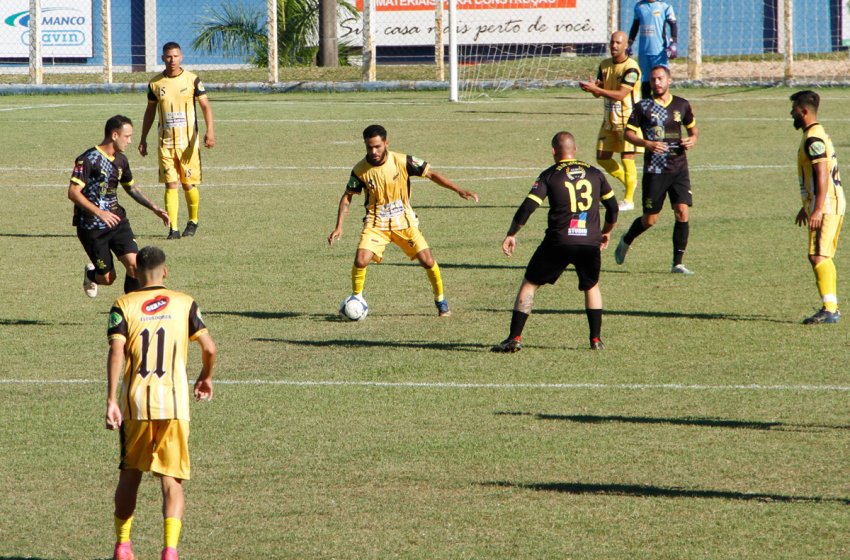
[613,16]
[453,47]
[106,26]
[369,73]
[151,47]
[271,9]
[788,25]
[438,43]
[695,40]
[36,64]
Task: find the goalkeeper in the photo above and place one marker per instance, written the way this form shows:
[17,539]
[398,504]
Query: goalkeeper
[654,47]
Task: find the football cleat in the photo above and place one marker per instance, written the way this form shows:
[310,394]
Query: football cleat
[169,553]
[508,346]
[443,308]
[173,234]
[124,551]
[823,316]
[191,228]
[596,344]
[680,269]
[626,205]
[89,287]
[620,251]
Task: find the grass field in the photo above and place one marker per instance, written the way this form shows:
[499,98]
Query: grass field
[714,425]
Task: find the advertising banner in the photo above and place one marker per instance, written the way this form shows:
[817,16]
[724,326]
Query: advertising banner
[482,22]
[66,28]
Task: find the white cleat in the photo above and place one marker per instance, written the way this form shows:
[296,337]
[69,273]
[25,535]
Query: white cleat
[89,287]
[626,206]
[680,269]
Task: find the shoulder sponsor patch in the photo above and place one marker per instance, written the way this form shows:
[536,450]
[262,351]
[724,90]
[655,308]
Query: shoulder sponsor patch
[418,162]
[115,319]
[817,148]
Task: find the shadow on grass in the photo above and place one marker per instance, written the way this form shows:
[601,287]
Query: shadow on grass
[414,344]
[469,206]
[687,421]
[30,323]
[462,266]
[647,491]
[42,235]
[256,315]
[655,314]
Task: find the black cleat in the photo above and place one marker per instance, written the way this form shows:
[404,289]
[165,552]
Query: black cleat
[596,344]
[173,234]
[508,346]
[822,316]
[191,228]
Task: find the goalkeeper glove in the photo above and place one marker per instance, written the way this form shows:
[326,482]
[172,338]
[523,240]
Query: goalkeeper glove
[629,50]
[672,51]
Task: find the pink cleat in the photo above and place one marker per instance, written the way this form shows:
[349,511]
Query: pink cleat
[169,554]
[124,551]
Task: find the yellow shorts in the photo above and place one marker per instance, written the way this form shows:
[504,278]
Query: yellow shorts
[614,141]
[410,240]
[177,165]
[158,446]
[824,240]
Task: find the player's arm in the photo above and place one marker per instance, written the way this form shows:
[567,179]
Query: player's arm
[206,109]
[204,385]
[75,195]
[531,203]
[140,197]
[633,34]
[341,213]
[609,201]
[820,176]
[672,48]
[147,123]
[613,94]
[444,182]
[691,141]
[114,366]
[632,137]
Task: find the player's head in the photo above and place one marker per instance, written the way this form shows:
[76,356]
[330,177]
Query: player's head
[563,146]
[804,107]
[150,265]
[617,45]
[172,57]
[660,79]
[375,138]
[119,131]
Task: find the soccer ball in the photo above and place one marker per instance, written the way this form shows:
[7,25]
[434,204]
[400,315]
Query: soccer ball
[354,308]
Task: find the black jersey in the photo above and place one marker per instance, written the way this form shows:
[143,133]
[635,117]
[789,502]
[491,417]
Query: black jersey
[663,123]
[100,175]
[575,190]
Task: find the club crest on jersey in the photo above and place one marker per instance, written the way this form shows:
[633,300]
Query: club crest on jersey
[161,91]
[677,116]
[155,305]
[656,133]
[576,173]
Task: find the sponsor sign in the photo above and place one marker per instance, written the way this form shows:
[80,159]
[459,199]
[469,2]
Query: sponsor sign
[482,22]
[66,28]
[155,305]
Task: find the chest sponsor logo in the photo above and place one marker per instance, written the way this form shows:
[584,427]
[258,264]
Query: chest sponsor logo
[155,305]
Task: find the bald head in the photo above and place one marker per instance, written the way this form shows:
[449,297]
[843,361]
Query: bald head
[563,146]
[617,46]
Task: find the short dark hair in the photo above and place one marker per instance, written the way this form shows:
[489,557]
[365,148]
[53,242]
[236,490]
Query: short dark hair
[374,130]
[149,258]
[663,67]
[562,141]
[115,123]
[171,45]
[806,98]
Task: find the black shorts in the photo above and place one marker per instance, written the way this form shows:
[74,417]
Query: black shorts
[101,243]
[549,262]
[655,187]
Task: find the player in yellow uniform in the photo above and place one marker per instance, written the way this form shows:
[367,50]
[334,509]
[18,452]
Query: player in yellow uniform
[384,178]
[823,200]
[172,96]
[618,82]
[149,333]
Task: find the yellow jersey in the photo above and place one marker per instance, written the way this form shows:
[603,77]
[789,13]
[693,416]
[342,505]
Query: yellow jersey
[613,76]
[175,98]
[815,147]
[156,324]
[387,190]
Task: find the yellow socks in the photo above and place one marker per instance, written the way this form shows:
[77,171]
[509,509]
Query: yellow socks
[436,280]
[172,206]
[122,529]
[172,527]
[613,168]
[827,280]
[193,201]
[358,279]
[629,179]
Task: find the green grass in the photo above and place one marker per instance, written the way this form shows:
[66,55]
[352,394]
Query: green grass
[496,463]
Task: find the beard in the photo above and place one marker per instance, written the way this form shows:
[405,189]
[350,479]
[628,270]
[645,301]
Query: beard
[798,123]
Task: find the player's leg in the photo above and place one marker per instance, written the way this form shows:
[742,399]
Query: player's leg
[822,245]
[171,464]
[190,177]
[101,270]
[587,260]
[125,505]
[123,244]
[168,175]
[653,192]
[370,248]
[173,504]
[630,180]
[605,156]
[522,309]
[414,245]
[681,200]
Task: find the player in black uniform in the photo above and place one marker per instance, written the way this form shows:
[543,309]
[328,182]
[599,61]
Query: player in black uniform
[102,225]
[574,236]
[665,163]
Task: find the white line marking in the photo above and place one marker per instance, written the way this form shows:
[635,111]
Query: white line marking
[502,386]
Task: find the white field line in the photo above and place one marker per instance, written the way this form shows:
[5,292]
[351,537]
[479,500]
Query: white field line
[495,386]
